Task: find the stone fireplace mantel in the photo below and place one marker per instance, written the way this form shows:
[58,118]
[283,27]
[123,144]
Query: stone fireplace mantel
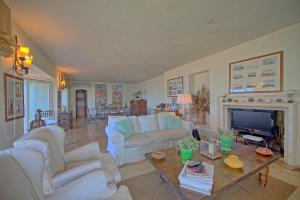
[292,128]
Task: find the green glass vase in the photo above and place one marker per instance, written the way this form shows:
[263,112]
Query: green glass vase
[186,155]
[226,144]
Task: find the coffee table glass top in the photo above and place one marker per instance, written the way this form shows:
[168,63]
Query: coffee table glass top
[224,176]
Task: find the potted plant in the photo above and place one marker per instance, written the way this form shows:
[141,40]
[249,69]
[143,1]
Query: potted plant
[226,140]
[187,146]
[137,95]
[201,104]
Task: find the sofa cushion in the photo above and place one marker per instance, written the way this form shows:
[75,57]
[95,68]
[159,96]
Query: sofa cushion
[161,119]
[169,134]
[156,136]
[173,122]
[126,128]
[42,147]
[138,140]
[147,123]
[113,119]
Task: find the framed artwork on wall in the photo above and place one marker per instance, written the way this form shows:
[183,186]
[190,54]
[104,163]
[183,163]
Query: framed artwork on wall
[175,86]
[259,74]
[14,97]
[117,95]
[100,94]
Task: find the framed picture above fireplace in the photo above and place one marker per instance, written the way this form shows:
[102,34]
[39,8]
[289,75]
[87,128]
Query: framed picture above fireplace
[259,74]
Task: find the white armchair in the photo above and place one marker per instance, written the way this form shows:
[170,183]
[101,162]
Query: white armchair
[22,169]
[66,167]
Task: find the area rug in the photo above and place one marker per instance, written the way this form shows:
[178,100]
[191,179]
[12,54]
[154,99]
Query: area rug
[149,187]
[136,169]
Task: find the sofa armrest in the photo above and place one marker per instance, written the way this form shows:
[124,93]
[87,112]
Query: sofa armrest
[116,145]
[187,125]
[90,186]
[114,136]
[74,173]
[85,152]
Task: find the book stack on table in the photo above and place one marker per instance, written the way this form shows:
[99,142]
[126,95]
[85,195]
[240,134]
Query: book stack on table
[195,180]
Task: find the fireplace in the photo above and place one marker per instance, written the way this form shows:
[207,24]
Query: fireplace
[267,124]
[289,112]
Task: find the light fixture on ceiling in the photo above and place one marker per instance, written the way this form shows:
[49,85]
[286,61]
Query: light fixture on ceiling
[23,60]
[61,82]
[210,21]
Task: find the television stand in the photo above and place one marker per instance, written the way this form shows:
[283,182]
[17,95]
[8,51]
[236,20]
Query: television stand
[255,139]
[266,136]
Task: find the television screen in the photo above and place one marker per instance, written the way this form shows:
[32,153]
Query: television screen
[253,119]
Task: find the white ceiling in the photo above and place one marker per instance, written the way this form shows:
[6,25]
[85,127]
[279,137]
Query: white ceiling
[134,40]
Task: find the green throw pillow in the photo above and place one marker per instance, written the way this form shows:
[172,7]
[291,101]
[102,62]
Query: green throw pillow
[173,122]
[125,127]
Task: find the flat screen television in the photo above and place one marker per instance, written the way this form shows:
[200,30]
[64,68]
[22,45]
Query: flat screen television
[253,120]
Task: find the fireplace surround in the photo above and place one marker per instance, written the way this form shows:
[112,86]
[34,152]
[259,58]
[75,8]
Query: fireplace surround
[292,116]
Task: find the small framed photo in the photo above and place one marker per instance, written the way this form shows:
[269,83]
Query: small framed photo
[14,97]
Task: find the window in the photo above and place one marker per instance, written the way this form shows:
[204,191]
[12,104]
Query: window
[38,97]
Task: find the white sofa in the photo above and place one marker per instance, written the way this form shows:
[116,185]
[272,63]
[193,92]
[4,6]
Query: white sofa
[151,135]
[21,175]
[66,167]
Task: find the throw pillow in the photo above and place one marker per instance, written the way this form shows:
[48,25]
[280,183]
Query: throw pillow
[125,127]
[148,123]
[161,119]
[112,120]
[173,122]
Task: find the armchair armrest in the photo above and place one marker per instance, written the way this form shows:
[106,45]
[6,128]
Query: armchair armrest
[122,194]
[85,152]
[187,125]
[74,173]
[90,186]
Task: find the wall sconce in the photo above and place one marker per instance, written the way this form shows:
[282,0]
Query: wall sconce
[61,82]
[22,60]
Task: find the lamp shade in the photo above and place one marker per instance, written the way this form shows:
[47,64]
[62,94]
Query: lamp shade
[24,51]
[184,99]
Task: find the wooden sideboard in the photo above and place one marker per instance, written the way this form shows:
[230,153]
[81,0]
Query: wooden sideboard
[138,107]
[65,119]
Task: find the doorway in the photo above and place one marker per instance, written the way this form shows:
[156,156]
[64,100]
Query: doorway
[81,103]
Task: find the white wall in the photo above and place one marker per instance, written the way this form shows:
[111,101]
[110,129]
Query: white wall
[128,89]
[11,130]
[152,90]
[217,64]
[287,40]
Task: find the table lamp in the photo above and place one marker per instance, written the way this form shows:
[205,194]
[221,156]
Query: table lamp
[184,100]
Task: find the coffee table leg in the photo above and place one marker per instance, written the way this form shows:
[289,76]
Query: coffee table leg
[263,176]
[163,179]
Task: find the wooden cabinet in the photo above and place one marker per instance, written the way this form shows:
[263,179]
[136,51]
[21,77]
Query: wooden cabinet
[138,107]
[64,120]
